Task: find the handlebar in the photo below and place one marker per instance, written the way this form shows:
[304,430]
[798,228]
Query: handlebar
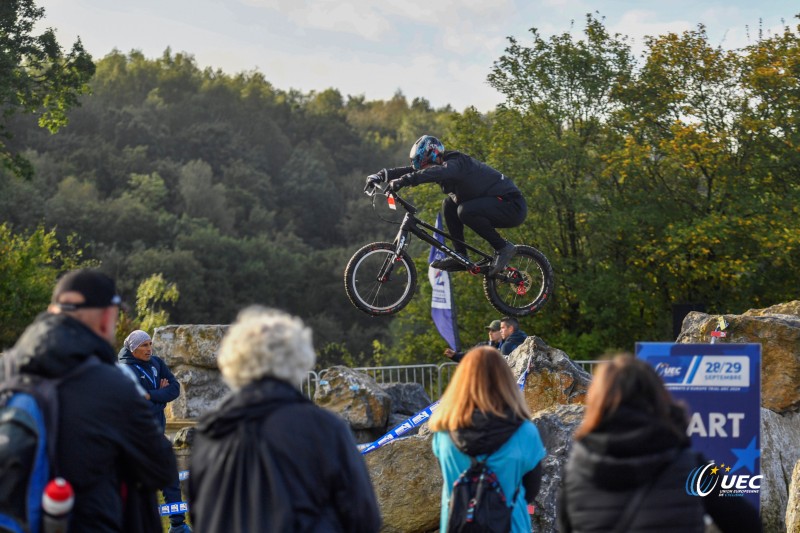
[373,188]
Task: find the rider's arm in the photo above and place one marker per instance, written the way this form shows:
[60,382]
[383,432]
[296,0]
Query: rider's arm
[448,170]
[397,172]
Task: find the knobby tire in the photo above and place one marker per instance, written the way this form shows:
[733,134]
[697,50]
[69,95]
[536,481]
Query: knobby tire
[533,290]
[372,296]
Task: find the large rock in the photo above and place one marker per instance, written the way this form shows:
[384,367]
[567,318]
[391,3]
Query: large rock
[553,378]
[780,452]
[355,396]
[408,484]
[407,398]
[793,507]
[779,336]
[191,354]
[556,424]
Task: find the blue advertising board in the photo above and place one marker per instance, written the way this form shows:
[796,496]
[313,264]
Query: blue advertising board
[721,384]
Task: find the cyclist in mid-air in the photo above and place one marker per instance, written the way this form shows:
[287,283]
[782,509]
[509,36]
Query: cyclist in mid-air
[478,196]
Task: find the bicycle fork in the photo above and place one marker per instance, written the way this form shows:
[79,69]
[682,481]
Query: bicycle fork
[400,243]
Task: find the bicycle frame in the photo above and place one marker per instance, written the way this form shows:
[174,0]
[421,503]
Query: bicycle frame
[411,224]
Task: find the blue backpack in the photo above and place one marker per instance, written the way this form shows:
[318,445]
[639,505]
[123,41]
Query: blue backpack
[28,426]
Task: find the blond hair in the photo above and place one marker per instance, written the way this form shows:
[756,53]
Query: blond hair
[482,381]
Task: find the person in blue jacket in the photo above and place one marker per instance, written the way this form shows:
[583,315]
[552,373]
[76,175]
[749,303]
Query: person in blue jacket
[160,388]
[483,413]
[511,334]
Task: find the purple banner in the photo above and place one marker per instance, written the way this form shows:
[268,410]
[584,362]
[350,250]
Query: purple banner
[443,311]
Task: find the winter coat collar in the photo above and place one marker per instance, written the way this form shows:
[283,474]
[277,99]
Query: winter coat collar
[486,434]
[250,402]
[55,343]
[628,445]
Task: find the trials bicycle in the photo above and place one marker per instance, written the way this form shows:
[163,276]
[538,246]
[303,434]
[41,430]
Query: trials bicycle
[381,279]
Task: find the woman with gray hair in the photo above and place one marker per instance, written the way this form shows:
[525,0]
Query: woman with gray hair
[268,459]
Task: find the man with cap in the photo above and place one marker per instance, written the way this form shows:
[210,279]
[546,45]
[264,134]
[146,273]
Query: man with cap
[160,388]
[494,341]
[108,442]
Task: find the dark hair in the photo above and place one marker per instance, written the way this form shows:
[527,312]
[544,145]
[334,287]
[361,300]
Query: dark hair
[513,322]
[630,382]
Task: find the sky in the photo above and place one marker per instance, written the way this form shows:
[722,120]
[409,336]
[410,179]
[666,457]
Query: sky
[441,50]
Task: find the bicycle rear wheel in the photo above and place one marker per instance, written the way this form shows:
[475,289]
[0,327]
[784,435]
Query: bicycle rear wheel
[364,286]
[528,287]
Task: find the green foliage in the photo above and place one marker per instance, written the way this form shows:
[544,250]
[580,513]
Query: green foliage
[36,76]
[649,182]
[30,263]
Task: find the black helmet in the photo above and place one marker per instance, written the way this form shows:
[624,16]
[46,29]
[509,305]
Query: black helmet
[426,150]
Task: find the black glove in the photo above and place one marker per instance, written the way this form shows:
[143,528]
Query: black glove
[399,183]
[374,179]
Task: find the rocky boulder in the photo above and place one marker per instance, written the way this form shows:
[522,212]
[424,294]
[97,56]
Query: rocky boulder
[191,354]
[408,484]
[556,424]
[553,379]
[355,396]
[793,507]
[779,336]
[780,452]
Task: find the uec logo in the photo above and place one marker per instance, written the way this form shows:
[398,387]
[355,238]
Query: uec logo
[700,484]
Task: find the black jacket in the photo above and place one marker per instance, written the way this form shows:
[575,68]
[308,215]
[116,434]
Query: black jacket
[461,176]
[106,433]
[624,452]
[150,374]
[486,435]
[270,460]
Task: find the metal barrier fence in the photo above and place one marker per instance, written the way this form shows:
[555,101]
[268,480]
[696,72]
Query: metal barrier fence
[433,378]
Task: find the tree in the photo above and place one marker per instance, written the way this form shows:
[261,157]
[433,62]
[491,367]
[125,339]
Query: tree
[36,76]
[29,266]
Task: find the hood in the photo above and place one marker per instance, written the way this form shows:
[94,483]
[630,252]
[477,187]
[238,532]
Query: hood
[55,343]
[516,337]
[627,449]
[126,356]
[486,434]
[251,402]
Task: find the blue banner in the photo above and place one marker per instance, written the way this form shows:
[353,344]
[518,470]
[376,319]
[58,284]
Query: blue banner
[443,311]
[721,383]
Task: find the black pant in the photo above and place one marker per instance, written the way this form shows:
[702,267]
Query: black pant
[483,215]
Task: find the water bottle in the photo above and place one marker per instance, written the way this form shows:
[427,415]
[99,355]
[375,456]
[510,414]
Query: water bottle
[57,502]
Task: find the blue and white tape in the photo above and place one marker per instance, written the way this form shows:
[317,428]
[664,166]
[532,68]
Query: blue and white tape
[400,429]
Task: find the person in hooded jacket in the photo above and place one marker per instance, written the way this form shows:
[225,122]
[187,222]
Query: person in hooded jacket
[160,387]
[632,447]
[267,458]
[511,334]
[478,196]
[483,413]
[109,447]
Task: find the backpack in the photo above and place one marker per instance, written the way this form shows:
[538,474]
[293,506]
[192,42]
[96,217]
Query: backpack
[478,503]
[28,425]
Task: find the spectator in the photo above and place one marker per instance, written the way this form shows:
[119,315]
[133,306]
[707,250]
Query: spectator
[108,441]
[268,459]
[494,341]
[631,458]
[483,412]
[512,336]
[160,388]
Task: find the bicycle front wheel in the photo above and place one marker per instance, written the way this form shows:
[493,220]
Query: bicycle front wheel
[376,282]
[528,284]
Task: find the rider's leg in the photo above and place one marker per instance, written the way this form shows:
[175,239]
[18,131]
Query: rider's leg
[483,215]
[455,227]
